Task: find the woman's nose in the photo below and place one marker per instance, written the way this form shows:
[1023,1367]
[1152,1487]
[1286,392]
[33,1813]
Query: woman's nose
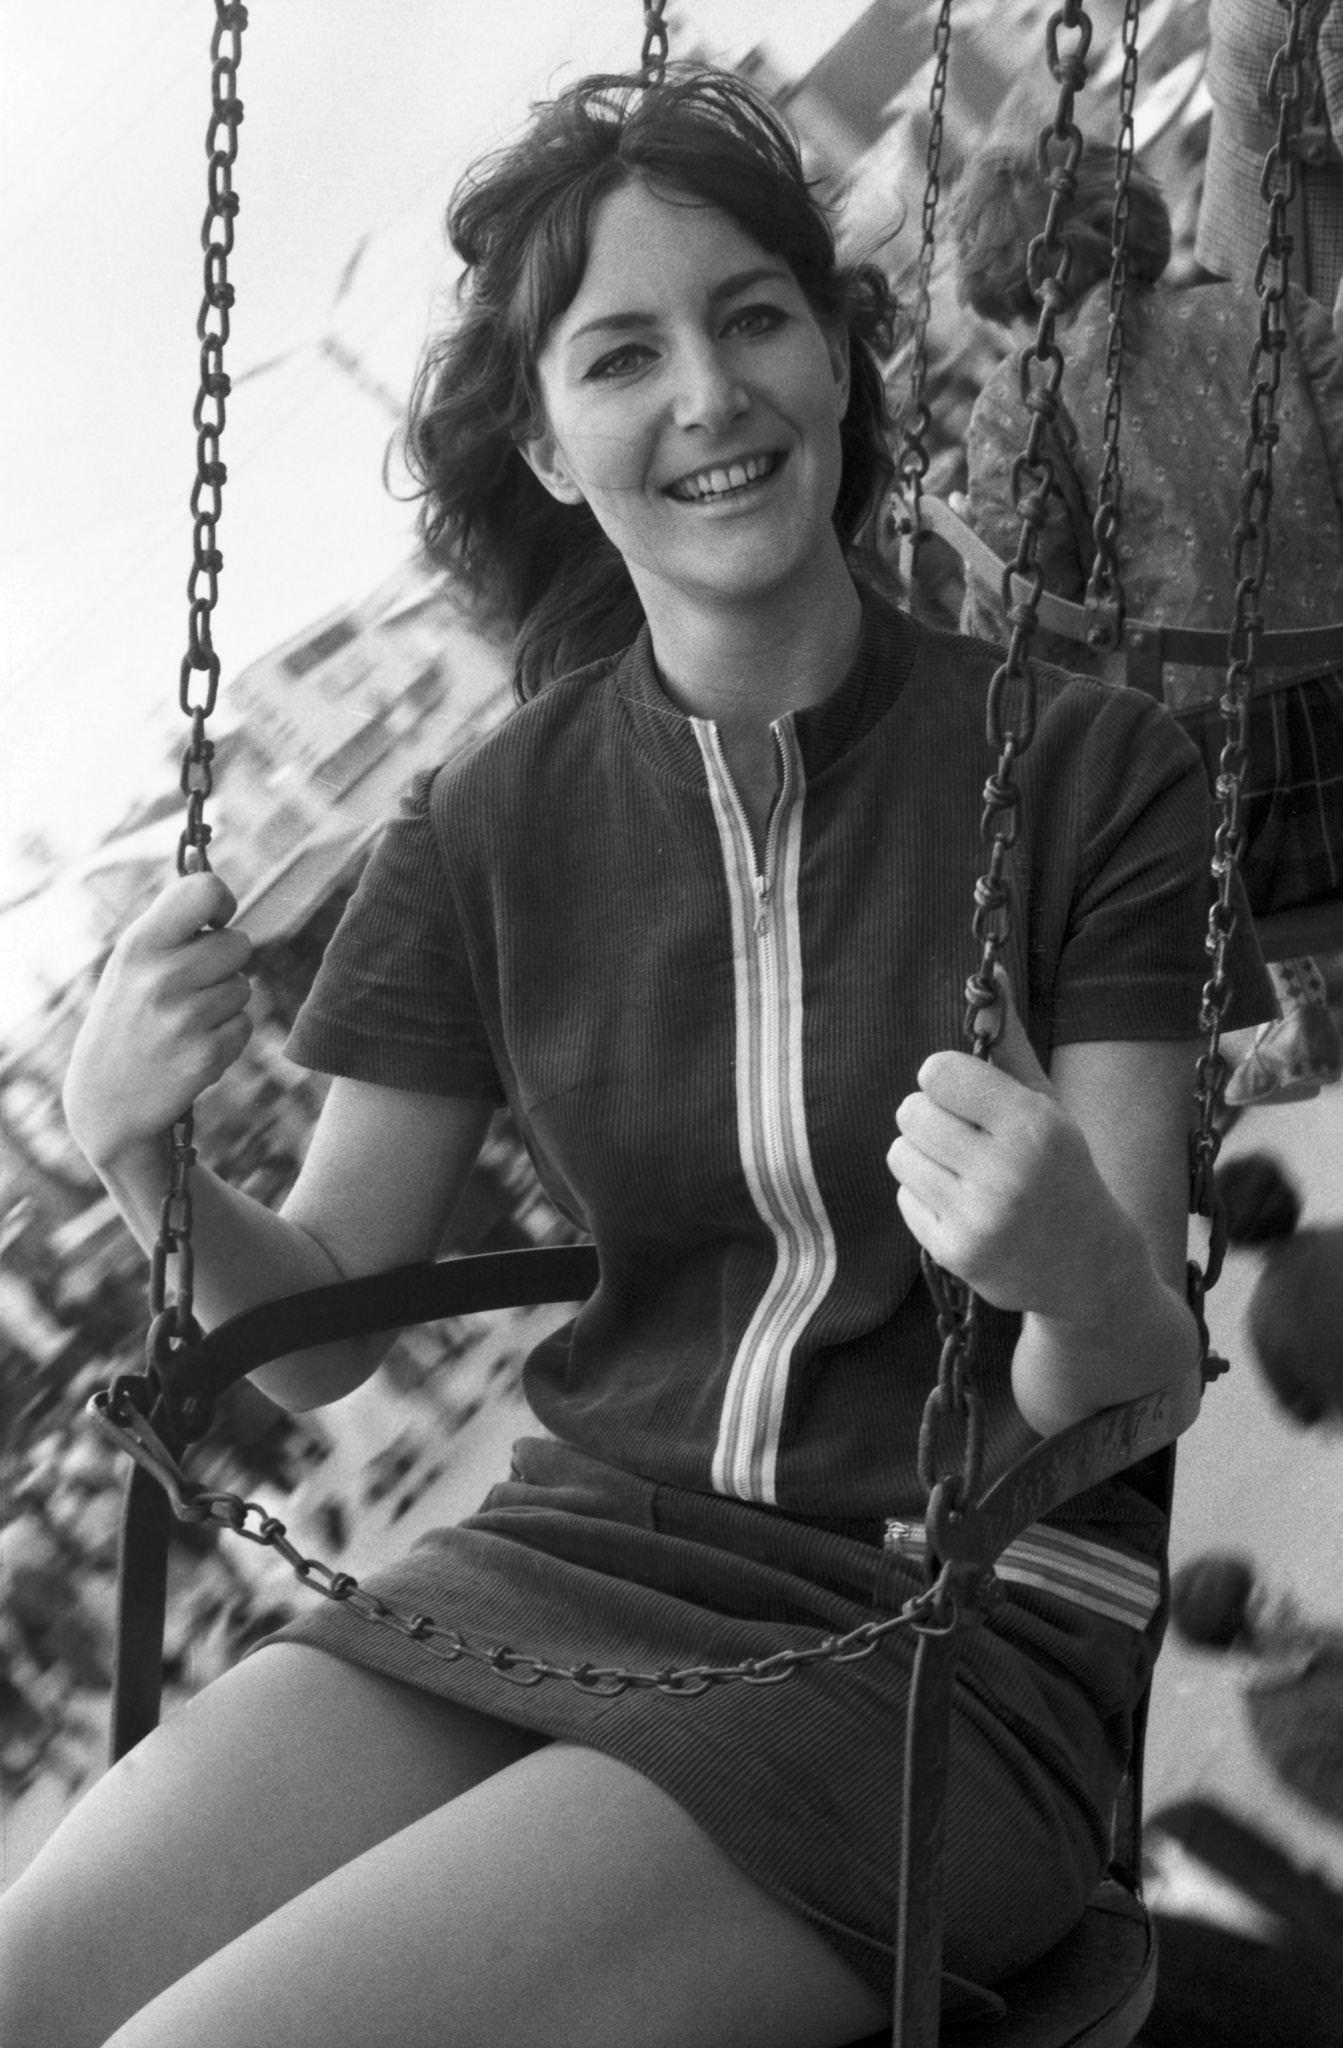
[709,392]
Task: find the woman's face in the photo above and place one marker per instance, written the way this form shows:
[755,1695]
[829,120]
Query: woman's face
[693,402]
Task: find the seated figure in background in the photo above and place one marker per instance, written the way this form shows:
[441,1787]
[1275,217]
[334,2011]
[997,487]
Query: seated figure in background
[1181,458]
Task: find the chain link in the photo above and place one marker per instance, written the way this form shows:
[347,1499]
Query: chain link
[1104,599]
[1250,555]
[171,1322]
[656,46]
[951,1437]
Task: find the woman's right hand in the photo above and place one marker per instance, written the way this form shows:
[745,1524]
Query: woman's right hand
[169,1017]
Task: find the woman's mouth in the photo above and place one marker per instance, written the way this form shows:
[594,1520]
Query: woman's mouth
[723,480]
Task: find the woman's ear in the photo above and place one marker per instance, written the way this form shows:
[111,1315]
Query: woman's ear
[546,463]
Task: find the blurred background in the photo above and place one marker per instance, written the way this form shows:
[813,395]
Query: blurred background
[345,666]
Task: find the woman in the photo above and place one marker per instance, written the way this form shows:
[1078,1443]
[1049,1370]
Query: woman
[698,913]
[1182,441]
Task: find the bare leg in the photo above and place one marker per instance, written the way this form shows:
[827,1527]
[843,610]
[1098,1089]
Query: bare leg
[285,1768]
[566,1900]
[299,1858]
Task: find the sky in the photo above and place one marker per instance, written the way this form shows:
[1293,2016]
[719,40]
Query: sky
[358,116]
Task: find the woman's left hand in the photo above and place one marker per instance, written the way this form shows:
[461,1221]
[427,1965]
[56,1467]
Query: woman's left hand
[998,1183]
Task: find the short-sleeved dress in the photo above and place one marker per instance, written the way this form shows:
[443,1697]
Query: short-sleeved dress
[704,1049]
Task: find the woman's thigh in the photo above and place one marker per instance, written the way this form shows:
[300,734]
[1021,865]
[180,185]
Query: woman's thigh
[286,1768]
[565,1900]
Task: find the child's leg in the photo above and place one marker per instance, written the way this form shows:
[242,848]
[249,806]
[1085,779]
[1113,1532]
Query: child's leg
[566,1900]
[289,1765]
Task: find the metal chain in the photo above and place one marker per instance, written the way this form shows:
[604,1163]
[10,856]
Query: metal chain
[171,1323]
[656,47]
[117,1413]
[951,1436]
[1250,555]
[912,466]
[1104,599]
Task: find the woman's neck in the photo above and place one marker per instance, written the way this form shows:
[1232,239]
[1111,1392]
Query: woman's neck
[745,666]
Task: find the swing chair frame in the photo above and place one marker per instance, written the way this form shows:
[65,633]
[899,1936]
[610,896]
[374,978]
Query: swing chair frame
[1097,1985]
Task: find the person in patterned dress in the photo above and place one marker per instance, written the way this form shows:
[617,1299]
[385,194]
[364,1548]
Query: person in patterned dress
[1181,455]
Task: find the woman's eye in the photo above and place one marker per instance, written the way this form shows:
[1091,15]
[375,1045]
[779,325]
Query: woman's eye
[621,362]
[757,320]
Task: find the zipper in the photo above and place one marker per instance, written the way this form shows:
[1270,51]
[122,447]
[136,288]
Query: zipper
[775,1153]
[764,881]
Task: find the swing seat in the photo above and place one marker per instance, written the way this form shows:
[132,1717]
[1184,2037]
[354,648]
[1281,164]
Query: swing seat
[1096,1986]
[1093,1987]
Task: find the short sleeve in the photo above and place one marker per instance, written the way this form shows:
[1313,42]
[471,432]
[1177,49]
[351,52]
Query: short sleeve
[394,999]
[1133,959]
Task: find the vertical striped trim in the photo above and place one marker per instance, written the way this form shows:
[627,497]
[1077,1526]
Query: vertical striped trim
[771,1115]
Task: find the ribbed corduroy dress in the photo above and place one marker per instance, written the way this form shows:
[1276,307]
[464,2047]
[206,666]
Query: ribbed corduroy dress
[704,1051]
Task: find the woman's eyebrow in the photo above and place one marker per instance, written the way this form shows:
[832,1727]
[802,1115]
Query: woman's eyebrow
[625,322]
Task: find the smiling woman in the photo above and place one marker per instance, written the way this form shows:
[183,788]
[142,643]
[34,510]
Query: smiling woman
[692,401]
[694,913]
[756,288]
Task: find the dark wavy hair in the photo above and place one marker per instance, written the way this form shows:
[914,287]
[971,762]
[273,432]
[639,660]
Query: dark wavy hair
[520,220]
[1000,206]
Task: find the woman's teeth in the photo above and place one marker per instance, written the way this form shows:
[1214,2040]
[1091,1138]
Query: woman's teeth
[717,483]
